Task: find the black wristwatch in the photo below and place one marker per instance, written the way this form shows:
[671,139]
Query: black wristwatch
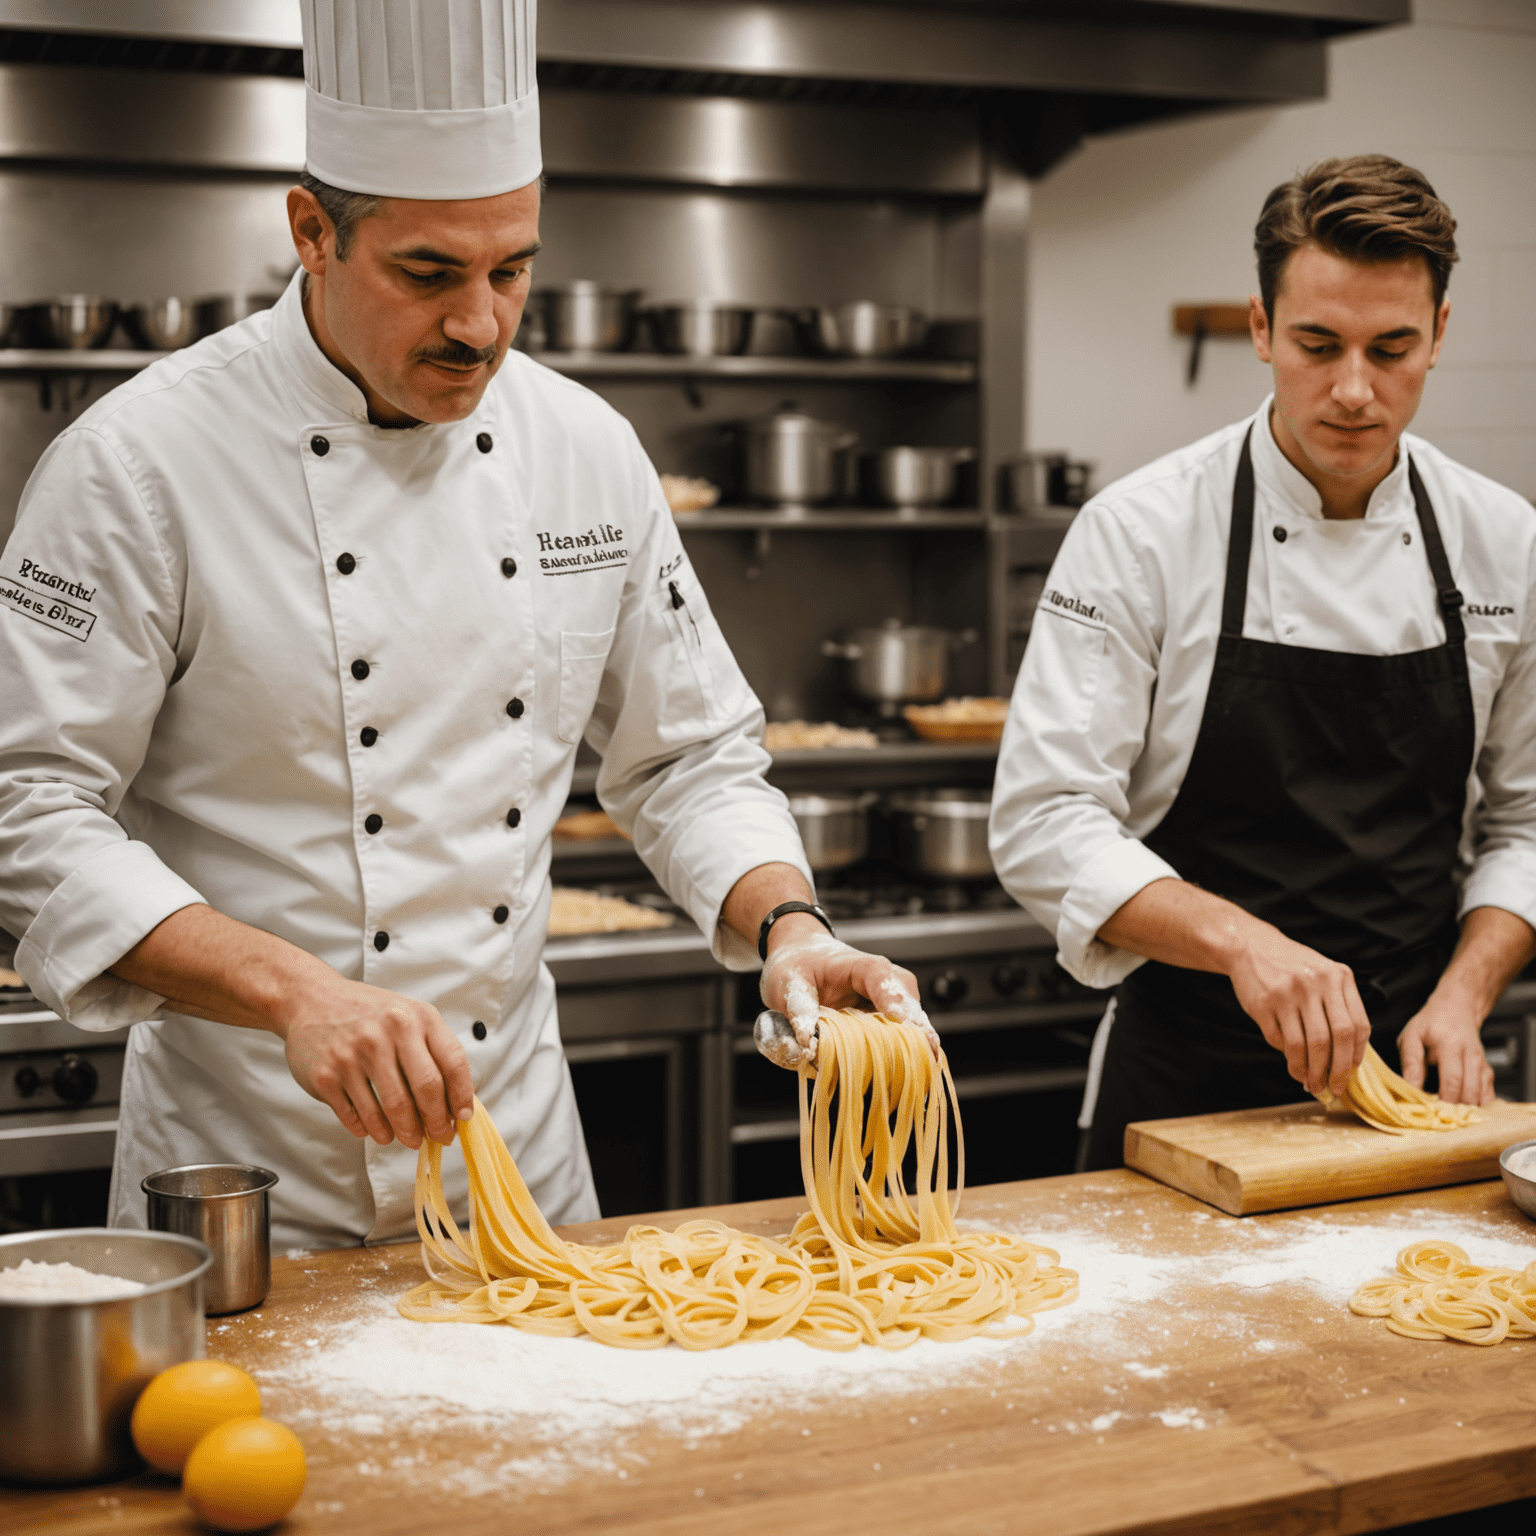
[783,909]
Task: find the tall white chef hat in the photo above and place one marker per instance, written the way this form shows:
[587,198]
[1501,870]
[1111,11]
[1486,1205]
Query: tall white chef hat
[421,98]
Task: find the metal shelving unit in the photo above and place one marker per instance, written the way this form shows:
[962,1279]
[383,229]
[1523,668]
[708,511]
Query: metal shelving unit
[61,360]
[831,520]
[658,365]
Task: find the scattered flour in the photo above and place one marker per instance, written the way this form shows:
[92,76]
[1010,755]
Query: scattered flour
[36,1281]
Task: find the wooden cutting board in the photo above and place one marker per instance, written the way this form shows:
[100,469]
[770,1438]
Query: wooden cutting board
[1302,1154]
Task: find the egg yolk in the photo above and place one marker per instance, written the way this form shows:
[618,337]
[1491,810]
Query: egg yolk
[183,1403]
[245,1474]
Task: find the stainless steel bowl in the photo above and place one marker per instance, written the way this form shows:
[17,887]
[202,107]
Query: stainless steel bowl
[898,663]
[834,828]
[226,1206]
[587,317]
[162,325]
[702,328]
[77,321]
[222,309]
[914,478]
[861,329]
[941,834]
[71,1371]
[1521,1187]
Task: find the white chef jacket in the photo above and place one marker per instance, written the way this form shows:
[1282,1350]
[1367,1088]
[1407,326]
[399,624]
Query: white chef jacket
[1112,689]
[201,699]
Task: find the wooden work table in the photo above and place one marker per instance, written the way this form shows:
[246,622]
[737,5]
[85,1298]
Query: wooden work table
[1210,1405]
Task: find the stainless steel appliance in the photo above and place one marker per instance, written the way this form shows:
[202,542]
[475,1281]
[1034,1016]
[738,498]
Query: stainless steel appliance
[912,479]
[833,827]
[942,833]
[793,461]
[702,328]
[898,663]
[585,316]
[862,328]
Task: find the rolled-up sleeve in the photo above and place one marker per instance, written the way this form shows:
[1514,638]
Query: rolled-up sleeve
[89,614]
[1077,725]
[1503,823]
[680,733]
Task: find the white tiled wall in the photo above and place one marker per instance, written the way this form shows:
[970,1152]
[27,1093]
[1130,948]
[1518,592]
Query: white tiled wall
[1139,221]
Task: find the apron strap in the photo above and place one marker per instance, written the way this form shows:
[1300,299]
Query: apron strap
[1240,542]
[1451,599]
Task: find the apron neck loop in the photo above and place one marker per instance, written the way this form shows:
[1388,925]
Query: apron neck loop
[1451,599]
[1240,547]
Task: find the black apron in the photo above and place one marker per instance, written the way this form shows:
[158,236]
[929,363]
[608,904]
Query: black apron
[1325,795]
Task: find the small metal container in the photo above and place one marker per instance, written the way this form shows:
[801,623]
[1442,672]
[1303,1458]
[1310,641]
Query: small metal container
[71,1371]
[226,1206]
[77,322]
[941,834]
[162,325]
[702,328]
[588,317]
[861,329]
[1521,1187]
[911,479]
[794,461]
[898,663]
[834,828]
[222,309]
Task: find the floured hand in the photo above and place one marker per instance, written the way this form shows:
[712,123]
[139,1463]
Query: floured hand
[808,971]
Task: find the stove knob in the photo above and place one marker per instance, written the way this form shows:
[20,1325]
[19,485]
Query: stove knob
[1009,979]
[74,1079]
[946,989]
[27,1082]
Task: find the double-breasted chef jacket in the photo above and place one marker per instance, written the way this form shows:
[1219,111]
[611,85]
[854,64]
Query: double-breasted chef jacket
[330,679]
[1111,694]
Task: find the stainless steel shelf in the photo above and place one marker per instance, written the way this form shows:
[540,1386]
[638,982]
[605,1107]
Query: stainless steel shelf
[658,365]
[59,360]
[839,520]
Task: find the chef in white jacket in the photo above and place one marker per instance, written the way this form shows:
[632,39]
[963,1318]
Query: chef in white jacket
[1271,762]
[299,633]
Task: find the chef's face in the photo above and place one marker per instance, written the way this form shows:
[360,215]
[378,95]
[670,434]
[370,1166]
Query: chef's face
[1350,345]
[422,311]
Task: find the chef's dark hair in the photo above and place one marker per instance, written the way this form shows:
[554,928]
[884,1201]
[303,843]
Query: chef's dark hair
[1365,208]
[343,209]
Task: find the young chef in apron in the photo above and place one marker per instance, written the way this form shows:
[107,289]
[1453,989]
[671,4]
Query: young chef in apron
[299,633]
[1278,681]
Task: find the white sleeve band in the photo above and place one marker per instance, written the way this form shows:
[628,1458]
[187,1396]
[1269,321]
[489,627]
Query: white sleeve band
[1104,884]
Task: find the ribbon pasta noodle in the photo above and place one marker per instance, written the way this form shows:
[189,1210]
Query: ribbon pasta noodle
[1439,1293]
[1390,1103]
[867,1263]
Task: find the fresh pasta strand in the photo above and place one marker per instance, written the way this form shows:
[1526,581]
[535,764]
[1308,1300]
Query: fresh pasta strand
[865,1265]
[1391,1103]
[1439,1293]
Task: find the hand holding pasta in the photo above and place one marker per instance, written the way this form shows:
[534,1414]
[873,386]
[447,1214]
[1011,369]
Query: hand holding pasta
[1390,1103]
[866,1264]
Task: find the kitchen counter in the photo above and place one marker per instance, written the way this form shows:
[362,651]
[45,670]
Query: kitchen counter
[1209,1379]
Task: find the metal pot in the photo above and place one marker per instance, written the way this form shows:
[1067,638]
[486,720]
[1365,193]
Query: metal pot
[222,309]
[898,663]
[1036,482]
[587,317]
[941,834]
[918,477]
[834,828]
[226,1206]
[794,460]
[702,328]
[71,1371]
[77,321]
[860,329]
[161,325]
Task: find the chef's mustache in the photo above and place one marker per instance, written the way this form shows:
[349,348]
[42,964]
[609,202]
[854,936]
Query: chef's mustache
[454,354]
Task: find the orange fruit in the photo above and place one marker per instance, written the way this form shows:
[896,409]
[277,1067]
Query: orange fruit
[245,1474]
[183,1403]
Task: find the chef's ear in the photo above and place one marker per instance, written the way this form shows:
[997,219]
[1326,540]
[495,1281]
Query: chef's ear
[1258,328]
[314,236]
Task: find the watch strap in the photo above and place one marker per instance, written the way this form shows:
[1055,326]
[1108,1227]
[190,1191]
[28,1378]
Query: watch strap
[783,909]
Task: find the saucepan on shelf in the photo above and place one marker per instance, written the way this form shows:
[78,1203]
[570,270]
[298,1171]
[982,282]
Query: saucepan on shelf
[585,316]
[833,828]
[862,328]
[702,328]
[793,461]
[76,322]
[898,663]
[941,834]
[917,479]
[161,325]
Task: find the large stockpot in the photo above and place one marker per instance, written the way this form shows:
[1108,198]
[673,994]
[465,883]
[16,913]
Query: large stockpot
[793,460]
[702,328]
[71,1371]
[833,828]
[918,477]
[862,328]
[588,317]
[941,834]
[898,663]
